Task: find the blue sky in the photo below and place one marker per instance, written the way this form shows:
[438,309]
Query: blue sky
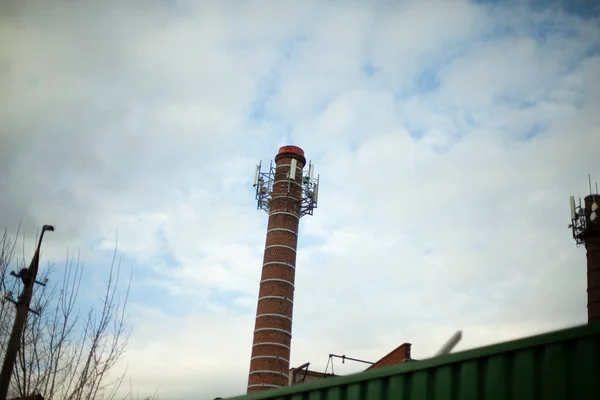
[448,136]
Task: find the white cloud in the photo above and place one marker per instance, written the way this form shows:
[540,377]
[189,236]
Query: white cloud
[435,214]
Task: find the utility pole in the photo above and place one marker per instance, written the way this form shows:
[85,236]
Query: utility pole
[28,276]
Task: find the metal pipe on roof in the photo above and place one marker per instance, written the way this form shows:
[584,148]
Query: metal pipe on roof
[449,345]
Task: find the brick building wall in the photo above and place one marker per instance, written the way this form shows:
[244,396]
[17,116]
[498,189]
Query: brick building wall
[396,356]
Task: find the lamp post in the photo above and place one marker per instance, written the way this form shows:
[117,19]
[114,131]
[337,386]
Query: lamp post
[28,277]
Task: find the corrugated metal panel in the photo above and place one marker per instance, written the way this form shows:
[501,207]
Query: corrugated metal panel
[554,366]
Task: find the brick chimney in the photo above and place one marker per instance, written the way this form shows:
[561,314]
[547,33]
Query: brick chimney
[286,193]
[591,237]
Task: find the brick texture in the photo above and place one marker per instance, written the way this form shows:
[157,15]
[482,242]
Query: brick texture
[276,288]
[278,271]
[280,245]
[271,336]
[274,321]
[396,356]
[281,237]
[270,350]
[270,364]
[281,254]
[270,306]
[282,221]
[265,378]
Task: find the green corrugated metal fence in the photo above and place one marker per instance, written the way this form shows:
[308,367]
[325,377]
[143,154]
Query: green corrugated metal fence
[554,366]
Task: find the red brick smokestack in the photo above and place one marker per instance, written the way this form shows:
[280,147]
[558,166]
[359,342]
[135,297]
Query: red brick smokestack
[269,364]
[592,245]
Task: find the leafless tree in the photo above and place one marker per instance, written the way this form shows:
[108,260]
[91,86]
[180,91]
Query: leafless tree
[66,354]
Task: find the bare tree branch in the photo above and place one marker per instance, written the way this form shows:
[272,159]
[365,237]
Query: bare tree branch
[64,354]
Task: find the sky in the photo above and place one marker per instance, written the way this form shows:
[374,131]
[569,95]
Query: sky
[448,135]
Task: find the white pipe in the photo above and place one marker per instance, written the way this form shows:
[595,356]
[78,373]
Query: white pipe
[449,345]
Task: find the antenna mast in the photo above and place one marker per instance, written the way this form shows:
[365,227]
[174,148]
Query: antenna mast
[582,215]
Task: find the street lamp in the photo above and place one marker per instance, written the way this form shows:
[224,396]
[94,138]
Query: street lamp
[28,277]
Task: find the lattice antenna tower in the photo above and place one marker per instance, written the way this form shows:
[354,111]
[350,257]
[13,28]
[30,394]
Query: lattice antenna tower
[584,217]
[264,180]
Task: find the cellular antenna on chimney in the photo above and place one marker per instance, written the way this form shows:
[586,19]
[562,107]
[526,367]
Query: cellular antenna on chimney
[256,172]
[264,181]
[585,226]
[572,204]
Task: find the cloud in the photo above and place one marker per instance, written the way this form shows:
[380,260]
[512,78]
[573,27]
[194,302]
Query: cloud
[448,136]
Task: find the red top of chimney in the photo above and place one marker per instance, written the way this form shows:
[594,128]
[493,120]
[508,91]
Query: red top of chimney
[291,149]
